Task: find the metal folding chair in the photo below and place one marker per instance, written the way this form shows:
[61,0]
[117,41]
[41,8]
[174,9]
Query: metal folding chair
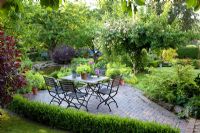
[53,89]
[110,91]
[72,93]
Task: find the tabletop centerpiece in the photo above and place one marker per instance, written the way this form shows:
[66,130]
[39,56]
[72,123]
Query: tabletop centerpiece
[83,70]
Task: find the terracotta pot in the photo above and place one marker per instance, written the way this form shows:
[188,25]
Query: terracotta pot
[35,90]
[84,76]
[121,82]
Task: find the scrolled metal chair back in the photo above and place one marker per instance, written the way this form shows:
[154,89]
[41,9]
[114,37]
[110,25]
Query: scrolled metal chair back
[50,82]
[67,86]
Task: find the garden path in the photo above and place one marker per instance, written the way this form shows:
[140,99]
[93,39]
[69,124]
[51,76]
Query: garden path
[132,103]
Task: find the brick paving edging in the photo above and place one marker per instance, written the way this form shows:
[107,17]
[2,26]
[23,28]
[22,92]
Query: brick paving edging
[197,127]
[193,126]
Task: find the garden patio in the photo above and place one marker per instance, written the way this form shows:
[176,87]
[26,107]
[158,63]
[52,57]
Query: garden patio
[100,66]
[132,103]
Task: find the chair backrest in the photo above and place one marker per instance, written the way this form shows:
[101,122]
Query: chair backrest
[50,82]
[67,86]
[115,83]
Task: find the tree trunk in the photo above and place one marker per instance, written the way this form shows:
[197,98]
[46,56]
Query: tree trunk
[138,61]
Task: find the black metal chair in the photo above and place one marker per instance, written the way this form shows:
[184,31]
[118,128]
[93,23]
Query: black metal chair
[72,93]
[110,91]
[54,90]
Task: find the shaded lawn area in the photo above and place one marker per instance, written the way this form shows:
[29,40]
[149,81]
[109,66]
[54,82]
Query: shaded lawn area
[142,76]
[14,124]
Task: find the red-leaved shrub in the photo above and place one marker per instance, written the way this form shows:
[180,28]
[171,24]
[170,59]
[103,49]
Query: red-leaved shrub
[10,78]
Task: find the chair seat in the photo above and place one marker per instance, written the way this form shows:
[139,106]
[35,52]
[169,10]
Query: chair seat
[78,94]
[105,91]
[59,90]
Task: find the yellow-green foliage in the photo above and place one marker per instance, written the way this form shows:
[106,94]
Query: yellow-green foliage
[114,69]
[169,54]
[64,72]
[35,79]
[83,69]
[4,116]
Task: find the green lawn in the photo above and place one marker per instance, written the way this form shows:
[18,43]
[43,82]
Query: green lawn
[14,124]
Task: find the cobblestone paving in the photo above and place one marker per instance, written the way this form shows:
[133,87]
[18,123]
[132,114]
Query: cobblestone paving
[132,103]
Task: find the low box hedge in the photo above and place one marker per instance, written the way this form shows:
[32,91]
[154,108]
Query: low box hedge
[188,52]
[84,122]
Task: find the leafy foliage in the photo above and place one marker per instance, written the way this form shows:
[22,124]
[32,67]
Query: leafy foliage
[77,61]
[169,54]
[10,79]
[193,107]
[51,3]
[63,54]
[116,69]
[188,52]
[64,71]
[79,121]
[83,69]
[34,79]
[134,36]
[196,64]
[68,25]
[174,86]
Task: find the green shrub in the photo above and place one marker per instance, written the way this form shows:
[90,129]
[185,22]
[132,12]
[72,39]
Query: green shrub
[101,64]
[131,79]
[113,72]
[154,63]
[174,85]
[169,54]
[35,79]
[54,74]
[26,64]
[25,90]
[193,107]
[188,52]
[65,71]
[83,61]
[184,62]
[196,64]
[115,69]
[4,116]
[80,121]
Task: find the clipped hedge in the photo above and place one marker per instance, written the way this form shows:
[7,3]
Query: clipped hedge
[188,52]
[80,121]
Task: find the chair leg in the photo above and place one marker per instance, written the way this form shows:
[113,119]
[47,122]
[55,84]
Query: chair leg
[70,102]
[100,104]
[53,100]
[109,107]
[82,103]
[113,101]
[103,100]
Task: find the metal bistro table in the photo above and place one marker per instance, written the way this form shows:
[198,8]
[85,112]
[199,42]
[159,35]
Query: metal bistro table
[92,83]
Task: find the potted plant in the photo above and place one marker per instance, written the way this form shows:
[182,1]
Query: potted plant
[83,70]
[34,90]
[35,81]
[113,72]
